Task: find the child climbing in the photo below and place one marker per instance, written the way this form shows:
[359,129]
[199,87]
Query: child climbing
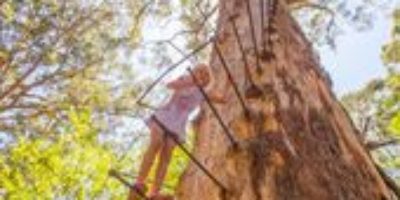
[170,121]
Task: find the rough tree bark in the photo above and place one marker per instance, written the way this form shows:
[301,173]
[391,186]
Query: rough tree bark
[297,143]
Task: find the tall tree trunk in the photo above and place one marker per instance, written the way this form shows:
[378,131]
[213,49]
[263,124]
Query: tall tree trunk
[297,141]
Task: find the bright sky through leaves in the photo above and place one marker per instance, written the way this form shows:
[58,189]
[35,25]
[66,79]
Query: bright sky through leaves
[357,59]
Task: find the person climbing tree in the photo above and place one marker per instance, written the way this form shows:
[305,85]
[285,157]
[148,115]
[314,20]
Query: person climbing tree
[170,121]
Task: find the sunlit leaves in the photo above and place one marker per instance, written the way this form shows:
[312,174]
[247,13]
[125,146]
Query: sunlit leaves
[391,57]
[57,53]
[57,114]
[7,11]
[86,89]
[396,23]
[391,52]
[379,102]
[394,124]
[73,165]
[324,20]
[394,81]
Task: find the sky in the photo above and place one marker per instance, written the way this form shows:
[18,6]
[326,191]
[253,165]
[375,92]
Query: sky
[354,62]
[356,59]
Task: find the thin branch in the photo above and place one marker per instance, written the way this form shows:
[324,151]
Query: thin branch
[313,6]
[17,83]
[319,7]
[366,124]
[61,31]
[196,30]
[142,10]
[37,62]
[49,78]
[373,145]
[179,50]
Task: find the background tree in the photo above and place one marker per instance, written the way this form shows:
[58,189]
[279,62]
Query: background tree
[375,108]
[59,60]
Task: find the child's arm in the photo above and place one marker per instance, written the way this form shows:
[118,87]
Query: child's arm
[217,97]
[181,82]
[213,95]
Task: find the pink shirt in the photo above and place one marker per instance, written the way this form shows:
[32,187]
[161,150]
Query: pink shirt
[174,115]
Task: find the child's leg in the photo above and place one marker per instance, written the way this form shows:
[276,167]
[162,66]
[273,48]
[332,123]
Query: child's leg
[156,140]
[164,159]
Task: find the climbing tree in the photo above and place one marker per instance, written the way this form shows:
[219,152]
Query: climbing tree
[291,138]
[67,86]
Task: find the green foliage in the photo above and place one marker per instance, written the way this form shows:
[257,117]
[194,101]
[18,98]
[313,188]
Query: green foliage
[380,100]
[392,104]
[394,125]
[376,108]
[178,164]
[66,85]
[391,56]
[54,54]
[391,51]
[396,23]
[71,165]
[323,21]
[8,12]
[376,112]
